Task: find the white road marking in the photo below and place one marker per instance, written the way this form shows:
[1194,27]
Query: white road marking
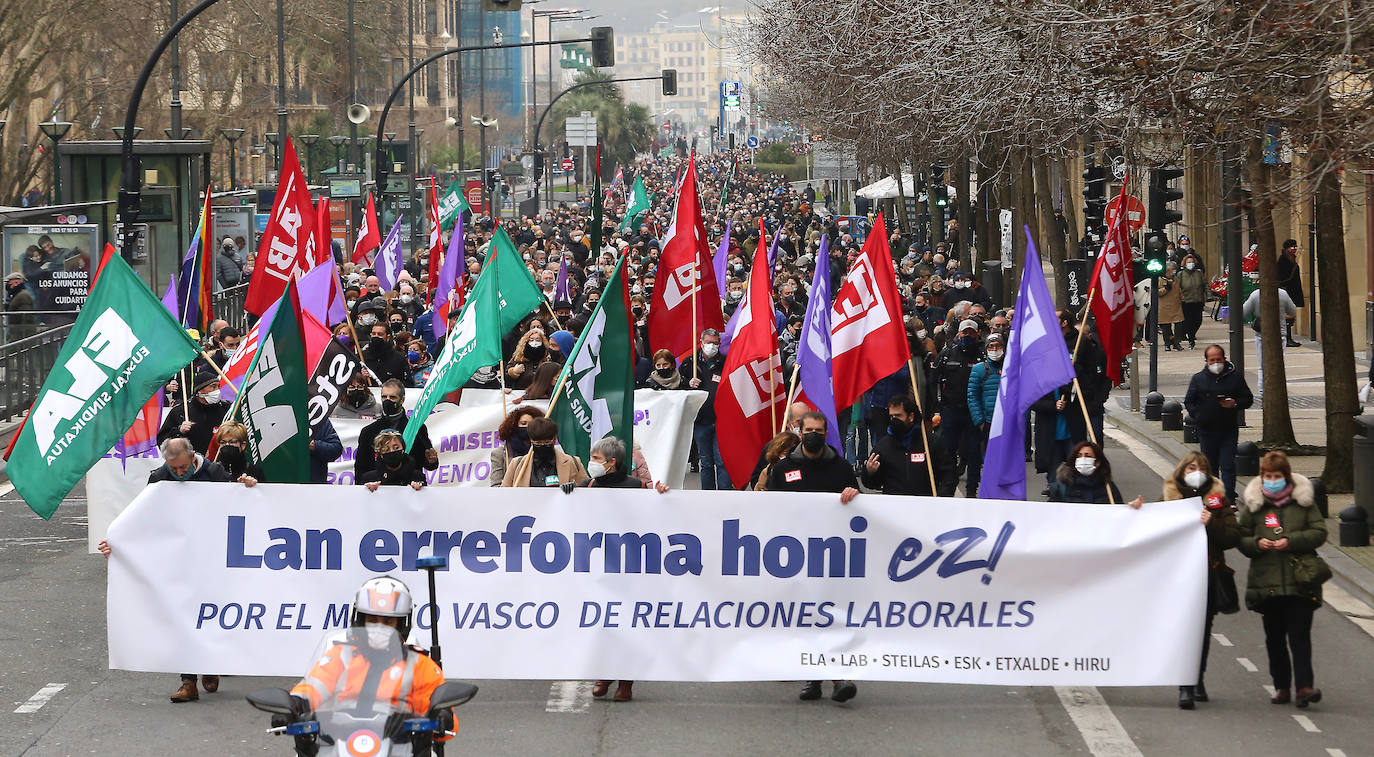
[37,701]
[1354,610]
[1101,730]
[1307,724]
[1222,640]
[1335,752]
[6,488]
[1270,690]
[1141,451]
[569,696]
[1245,663]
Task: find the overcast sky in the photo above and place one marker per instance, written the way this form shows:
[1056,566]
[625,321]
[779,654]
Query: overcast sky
[639,16]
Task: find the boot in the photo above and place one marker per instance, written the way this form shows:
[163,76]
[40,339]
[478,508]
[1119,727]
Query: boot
[1308,696]
[844,691]
[1281,696]
[810,690]
[1200,692]
[624,692]
[1186,697]
[600,688]
[187,692]
[211,683]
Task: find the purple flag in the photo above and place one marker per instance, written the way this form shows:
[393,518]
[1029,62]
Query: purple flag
[732,326]
[722,260]
[1037,362]
[169,297]
[813,354]
[316,290]
[448,279]
[389,263]
[562,290]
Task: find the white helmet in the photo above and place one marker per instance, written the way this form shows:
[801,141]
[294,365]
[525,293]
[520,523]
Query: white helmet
[386,597]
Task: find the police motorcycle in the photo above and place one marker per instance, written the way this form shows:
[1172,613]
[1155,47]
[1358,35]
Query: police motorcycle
[354,701]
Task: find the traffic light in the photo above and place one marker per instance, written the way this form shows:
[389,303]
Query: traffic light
[1161,195]
[1155,249]
[539,164]
[500,6]
[938,188]
[669,81]
[1094,199]
[603,47]
[491,179]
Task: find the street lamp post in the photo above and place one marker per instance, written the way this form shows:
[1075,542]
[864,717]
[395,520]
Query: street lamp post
[119,131]
[56,130]
[338,141]
[272,139]
[233,136]
[309,141]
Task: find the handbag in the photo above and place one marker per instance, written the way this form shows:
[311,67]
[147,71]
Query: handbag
[1225,598]
[1310,571]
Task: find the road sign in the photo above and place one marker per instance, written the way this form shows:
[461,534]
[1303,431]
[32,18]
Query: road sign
[753,142]
[730,92]
[834,161]
[581,130]
[567,164]
[1135,211]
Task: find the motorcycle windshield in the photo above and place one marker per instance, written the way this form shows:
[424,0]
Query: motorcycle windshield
[359,675]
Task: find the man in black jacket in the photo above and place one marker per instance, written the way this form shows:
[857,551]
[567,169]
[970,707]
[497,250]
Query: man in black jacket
[703,371]
[814,466]
[1090,366]
[393,418]
[197,419]
[899,463]
[1216,396]
[952,370]
[382,359]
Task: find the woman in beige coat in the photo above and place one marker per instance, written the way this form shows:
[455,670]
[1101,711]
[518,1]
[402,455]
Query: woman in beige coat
[1171,308]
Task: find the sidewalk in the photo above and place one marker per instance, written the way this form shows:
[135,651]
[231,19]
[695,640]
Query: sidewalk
[1353,566]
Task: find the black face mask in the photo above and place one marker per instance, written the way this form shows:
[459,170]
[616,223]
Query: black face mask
[232,458]
[394,458]
[543,453]
[357,396]
[898,428]
[398,326]
[390,407]
[813,441]
[379,344]
[519,442]
[664,372]
[534,353]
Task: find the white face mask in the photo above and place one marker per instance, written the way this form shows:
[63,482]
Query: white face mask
[1216,368]
[406,299]
[1085,465]
[379,636]
[710,349]
[1195,479]
[1190,265]
[921,334]
[596,469]
[211,397]
[536,343]
[996,355]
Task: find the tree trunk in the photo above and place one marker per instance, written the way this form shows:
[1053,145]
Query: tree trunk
[984,212]
[1278,422]
[1051,237]
[1070,209]
[1338,341]
[901,204]
[1025,216]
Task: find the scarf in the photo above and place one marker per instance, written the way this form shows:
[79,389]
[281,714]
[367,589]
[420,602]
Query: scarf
[667,383]
[1280,497]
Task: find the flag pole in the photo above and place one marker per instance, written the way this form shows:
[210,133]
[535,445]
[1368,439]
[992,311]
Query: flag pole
[1077,389]
[791,397]
[925,440]
[528,459]
[696,337]
[557,326]
[358,347]
[501,368]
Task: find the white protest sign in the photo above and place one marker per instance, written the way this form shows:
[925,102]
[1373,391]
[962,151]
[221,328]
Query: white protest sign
[685,586]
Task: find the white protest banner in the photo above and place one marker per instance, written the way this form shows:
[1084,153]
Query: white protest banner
[684,586]
[464,435]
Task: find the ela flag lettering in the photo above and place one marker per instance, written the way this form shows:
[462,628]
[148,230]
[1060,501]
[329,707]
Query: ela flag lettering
[598,378]
[1036,363]
[123,347]
[272,402]
[867,338]
[287,248]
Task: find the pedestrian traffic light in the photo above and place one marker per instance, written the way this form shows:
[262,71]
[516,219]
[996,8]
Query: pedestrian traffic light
[669,81]
[1094,199]
[1161,195]
[500,6]
[1156,245]
[603,47]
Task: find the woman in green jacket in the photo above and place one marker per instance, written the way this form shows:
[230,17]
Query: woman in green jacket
[1192,285]
[1280,527]
[1193,478]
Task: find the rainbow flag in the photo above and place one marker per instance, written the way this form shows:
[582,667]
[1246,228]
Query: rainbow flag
[197,279]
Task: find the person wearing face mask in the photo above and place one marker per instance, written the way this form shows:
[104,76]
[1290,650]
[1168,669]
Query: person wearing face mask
[1086,478]
[1090,366]
[544,464]
[486,377]
[197,420]
[229,340]
[814,466]
[393,466]
[1216,396]
[1280,531]
[1192,286]
[952,370]
[408,303]
[665,375]
[358,401]
[1193,477]
[18,299]
[703,371]
[393,418]
[381,356]
[231,438]
[530,353]
[898,463]
[734,295]
[515,440]
[983,382]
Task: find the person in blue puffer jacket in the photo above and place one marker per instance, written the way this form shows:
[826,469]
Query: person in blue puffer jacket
[983,382]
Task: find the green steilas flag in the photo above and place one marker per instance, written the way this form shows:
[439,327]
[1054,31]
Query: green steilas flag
[122,348]
[503,295]
[639,205]
[272,400]
[598,380]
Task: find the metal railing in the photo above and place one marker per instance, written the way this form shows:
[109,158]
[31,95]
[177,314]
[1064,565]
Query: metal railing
[24,366]
[228,304]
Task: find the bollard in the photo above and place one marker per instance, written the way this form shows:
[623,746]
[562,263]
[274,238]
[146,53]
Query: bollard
[1364,464]
[1247,459]
[1190,431]
[1171,415]
[1354,527]
[1153,402]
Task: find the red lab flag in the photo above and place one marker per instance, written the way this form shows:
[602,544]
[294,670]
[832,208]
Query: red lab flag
[1113,295]
[323,238]
[685,278]
[368,238]
[751,397]
[436,247]
[287,248]
[867,334]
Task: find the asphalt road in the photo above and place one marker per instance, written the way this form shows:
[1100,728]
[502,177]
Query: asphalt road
[52,634]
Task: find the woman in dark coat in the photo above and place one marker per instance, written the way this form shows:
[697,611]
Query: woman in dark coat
[1086,478]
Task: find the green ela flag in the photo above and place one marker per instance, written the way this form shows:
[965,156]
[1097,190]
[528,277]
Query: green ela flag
[122,348]
[272,400]
[598,380]
[503,295]
[451,206]
[639,205]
